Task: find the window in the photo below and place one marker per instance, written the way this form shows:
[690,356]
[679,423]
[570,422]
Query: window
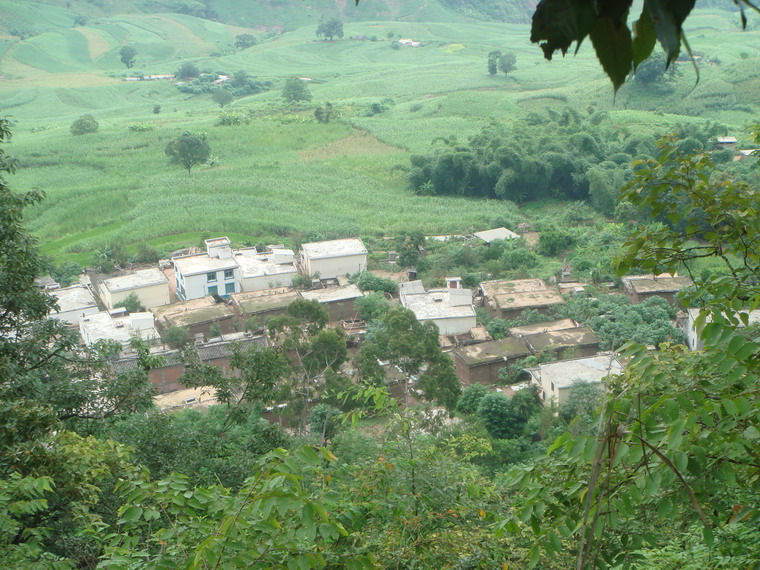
[553,388]
[229,274]
[213,290]
[229,288]
[180,291]
[211,277]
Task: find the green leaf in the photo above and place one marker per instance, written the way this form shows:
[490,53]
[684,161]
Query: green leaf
[131,513]
[614,49]
[644,38]
[751,433]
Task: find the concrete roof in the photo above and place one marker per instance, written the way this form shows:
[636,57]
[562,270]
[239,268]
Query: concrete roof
[493,351]
[528,300]
[547,326]
[202,263]
[102,326]
[333,248]
[261,265]
[498,233]
[491,288]
[568,338]
[192,312]
[753,317]
[436,305]
[136,280]
[411,287]
[564,372]
[650,284]
[74,298]
[333,294]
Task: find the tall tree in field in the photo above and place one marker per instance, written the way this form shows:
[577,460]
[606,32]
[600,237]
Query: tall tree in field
[507,63]
[493,62]
[295,90]
[128,55]
[330,28]
[188,150]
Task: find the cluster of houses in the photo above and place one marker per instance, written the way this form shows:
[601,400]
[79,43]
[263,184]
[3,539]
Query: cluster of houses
[214,293]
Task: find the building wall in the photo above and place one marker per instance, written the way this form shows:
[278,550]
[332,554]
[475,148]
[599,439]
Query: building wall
[487,373]
[340,310]
[197,286]
[515,313]
[166,379]
[334,266]
[265,282]
[457,325]
[152,296]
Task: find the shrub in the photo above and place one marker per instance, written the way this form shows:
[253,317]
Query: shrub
[131,303]
[176,337]
[84,125]
[141,127]
[470,399]
[324,420]
[367,281]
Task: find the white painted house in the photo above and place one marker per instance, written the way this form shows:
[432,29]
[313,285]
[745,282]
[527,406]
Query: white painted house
[449,309]
[261,271]
[215,272]
[555,379]
[73,302]
[334,258]
[150,285]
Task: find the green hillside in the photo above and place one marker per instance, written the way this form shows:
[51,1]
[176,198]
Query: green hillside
[284,173]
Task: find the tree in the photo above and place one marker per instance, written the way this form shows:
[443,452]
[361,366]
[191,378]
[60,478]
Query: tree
[499,416]
[188,150]
[330,28]
[507,63]
[176,336]
[583,399]
[372,306]
[295,90]
[187,71]
[470,399]
[493,62]
[84,125]
[128,55]
[244,41]
[324,114]
[408,246]
[400,339]
[222,96]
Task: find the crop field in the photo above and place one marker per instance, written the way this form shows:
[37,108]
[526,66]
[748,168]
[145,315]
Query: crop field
[284,174]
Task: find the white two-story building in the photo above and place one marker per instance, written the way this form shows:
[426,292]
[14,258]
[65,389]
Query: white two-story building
[215,272]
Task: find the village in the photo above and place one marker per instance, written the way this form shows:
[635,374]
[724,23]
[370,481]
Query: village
[222,297]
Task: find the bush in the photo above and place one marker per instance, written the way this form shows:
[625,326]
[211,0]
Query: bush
[470,399]
[131,303]
[231,119]
[367,281]
[176,337]
[141,127]
[84,125]
[501,421]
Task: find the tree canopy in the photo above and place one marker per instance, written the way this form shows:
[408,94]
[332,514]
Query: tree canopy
[330,28]
[188,150]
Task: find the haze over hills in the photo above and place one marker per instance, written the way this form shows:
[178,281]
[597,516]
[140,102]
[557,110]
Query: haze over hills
[116,184]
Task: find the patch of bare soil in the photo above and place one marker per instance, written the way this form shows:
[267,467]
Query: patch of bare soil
[358,143]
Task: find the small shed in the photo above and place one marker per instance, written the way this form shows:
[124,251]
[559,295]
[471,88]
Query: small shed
[149,285]
[642,287]
[334,258]
[566,343]
[337,301]
[73,303]
[555,379]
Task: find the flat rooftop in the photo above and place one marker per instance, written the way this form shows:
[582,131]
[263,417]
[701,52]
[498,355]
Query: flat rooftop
[74,298]
[497,233]
[102,326]
[334,248]
[333,294]
[548,326]
[202,263]
[651,284]
[261,265]
[496,287]
[263,301]
[435,305]
[593,369]
[136,280]
[509,301]
[192,312]
[493,351]
[568,338]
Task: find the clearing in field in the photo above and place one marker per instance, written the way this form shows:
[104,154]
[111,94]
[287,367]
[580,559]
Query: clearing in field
[358,143]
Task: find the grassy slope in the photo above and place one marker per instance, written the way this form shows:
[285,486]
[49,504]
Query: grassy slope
[284,173]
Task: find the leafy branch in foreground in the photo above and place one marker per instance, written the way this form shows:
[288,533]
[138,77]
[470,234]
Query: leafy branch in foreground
[677,437]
